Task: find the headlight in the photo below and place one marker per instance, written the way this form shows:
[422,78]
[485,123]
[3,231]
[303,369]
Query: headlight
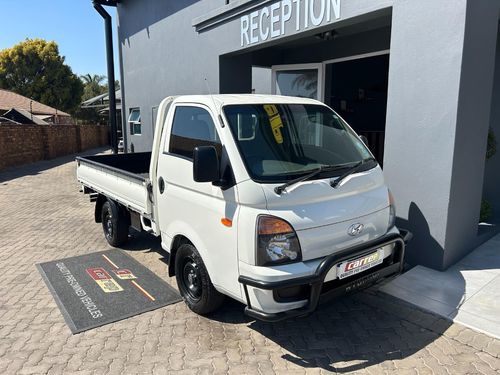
[277,242]
[392,211]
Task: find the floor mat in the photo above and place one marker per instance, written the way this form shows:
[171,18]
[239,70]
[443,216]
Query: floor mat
[100,288]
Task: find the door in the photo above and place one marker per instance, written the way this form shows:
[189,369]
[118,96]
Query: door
[357,91]
[302,80]
[194,209]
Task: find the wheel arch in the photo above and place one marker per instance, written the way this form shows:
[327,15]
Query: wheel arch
[121,209]
[177,241]
[188,235]
[98,208]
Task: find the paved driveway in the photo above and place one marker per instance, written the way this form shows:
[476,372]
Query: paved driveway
[43,217]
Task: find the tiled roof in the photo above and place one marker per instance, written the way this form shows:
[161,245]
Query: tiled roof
[9,99]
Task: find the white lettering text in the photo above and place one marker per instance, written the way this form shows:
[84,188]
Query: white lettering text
[271,21]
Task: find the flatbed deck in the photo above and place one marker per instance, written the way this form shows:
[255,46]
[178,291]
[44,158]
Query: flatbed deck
[122,177]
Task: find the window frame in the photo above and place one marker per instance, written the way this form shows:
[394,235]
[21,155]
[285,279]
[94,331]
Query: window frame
[168,135]
[131,123]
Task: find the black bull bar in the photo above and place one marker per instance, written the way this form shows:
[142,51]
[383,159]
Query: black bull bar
[316,281]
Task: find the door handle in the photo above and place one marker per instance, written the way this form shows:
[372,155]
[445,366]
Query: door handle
[161,185]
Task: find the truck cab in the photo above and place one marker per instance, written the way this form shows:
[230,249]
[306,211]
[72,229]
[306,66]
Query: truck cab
[270,200]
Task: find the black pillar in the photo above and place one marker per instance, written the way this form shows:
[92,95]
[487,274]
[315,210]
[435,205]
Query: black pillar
[111,73]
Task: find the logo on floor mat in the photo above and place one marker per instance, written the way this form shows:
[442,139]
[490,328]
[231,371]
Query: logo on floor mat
[124,274]
[104,280]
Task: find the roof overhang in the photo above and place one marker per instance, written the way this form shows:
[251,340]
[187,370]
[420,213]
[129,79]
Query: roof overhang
[111,3]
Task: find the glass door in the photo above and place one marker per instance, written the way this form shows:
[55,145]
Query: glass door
[303,80]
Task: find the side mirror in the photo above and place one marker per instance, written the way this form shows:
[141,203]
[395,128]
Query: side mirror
[365,140]
[205,164]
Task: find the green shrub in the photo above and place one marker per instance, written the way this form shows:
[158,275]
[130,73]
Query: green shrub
[486,211]
[491,149]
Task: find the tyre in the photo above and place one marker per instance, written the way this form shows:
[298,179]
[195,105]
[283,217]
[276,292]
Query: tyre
[114,224]
[194,283]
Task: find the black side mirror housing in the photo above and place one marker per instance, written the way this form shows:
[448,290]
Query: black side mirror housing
[365,140]
[205,164]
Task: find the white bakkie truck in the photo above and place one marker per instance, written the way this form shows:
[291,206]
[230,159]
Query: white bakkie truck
[271,200]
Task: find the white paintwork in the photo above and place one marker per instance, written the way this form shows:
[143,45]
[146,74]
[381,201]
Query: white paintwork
[319,214]
[126,190]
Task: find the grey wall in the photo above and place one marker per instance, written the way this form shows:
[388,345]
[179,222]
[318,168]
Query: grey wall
[438,111]
[163,54]
[473,120]
[439,101]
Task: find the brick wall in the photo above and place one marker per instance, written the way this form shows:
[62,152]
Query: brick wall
[23,144]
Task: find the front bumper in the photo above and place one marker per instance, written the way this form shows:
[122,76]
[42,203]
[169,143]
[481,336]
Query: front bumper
[315,282]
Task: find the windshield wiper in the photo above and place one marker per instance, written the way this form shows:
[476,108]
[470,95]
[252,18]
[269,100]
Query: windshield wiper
[353,169]
[324,168]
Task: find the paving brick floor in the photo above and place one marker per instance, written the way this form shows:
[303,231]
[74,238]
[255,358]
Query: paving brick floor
[44,217]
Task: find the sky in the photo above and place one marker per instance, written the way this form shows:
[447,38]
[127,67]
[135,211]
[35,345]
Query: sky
[74,24]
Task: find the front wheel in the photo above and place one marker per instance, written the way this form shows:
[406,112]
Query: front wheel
[194,283]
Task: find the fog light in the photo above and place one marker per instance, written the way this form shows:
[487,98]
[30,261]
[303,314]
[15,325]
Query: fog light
[388,249]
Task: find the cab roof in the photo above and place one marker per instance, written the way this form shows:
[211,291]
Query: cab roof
[228,99]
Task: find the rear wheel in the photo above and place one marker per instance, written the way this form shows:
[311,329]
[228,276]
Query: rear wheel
[114,224]
[194,283]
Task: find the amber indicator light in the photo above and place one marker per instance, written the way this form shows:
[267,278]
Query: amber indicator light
[226,222]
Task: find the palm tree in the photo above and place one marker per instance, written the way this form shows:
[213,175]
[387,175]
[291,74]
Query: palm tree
[93,85]
[307,82]
[92,79]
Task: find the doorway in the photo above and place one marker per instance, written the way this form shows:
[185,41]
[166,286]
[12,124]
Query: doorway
[356,88]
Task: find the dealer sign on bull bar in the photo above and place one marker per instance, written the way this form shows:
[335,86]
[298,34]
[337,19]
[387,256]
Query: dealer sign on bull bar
[271,21]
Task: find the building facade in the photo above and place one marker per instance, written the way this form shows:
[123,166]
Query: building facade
[419,78]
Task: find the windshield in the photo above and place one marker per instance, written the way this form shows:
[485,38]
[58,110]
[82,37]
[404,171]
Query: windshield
[279,142]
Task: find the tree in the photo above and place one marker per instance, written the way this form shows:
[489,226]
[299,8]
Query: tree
[92,85]
[34,68]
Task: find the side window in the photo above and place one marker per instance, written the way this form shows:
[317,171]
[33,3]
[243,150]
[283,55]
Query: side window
[134,121]
[192,127]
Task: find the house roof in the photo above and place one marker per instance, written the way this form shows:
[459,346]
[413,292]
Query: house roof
[101,101]
[23,117]
[9,99]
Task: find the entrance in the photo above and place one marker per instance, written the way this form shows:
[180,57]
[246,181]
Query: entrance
[356,88]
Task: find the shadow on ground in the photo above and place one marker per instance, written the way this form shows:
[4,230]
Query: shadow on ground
[140,241]
[345,335]
[40,166]
[348,334]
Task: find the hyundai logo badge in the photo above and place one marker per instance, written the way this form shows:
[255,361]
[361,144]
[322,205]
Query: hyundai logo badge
[355,229]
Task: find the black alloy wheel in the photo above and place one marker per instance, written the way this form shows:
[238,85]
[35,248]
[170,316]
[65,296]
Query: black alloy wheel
[193,281]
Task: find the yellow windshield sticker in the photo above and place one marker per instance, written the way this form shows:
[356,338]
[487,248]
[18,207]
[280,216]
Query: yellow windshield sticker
[275,122]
